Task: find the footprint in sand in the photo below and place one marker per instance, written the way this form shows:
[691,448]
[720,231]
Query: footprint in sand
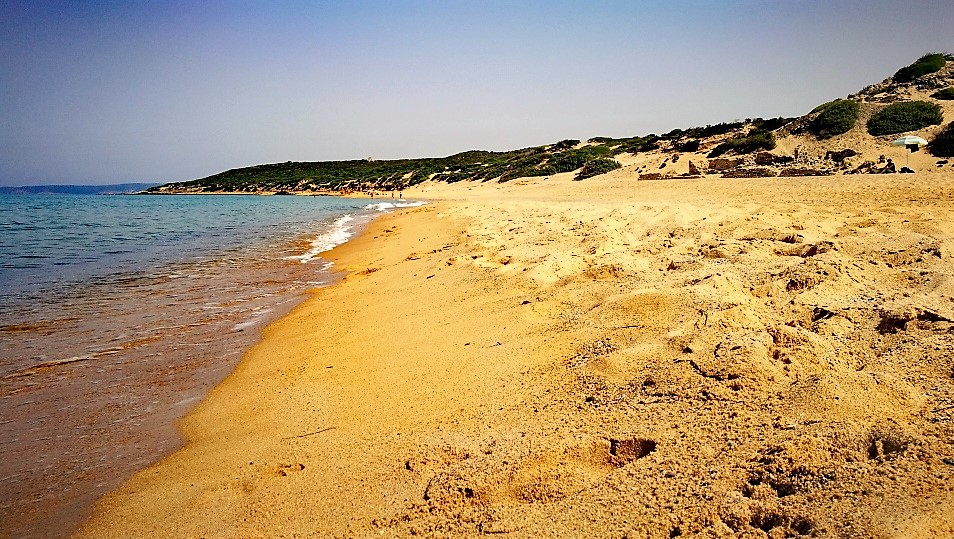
[542,477]
[284,470]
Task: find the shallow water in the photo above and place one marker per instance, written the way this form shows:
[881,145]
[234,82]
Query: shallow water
[118,314]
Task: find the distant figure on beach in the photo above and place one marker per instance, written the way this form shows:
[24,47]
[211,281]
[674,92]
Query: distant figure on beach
[401,194]
[889,168]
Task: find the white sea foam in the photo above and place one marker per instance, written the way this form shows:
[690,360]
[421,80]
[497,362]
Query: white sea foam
[339,232]
[342,229]
[385,206]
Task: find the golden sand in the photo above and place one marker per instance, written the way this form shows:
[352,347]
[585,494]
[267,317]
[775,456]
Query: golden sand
[607,358]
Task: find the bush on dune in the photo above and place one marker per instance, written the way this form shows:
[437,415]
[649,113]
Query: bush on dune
[757,140]
[566,144]
[688,146]
[771,124]
[714,130]
[945,94]
[638,144]
[836,117]
[904,116]
[929,63]
[573,159]
[597,167]
[943,143]
[823,106]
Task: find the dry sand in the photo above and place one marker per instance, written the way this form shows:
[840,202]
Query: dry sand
[607,358]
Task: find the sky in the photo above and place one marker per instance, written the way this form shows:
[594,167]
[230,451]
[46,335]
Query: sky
[137,91]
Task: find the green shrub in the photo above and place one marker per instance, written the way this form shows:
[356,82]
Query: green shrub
[836,117]
[823,106]
[771,124]
[713,130]
[597,167]
[757,140]
[573,159]
[929,63]
[943,143]
[905,116]
[564,145]
[946,93]
[638,144]
[688,146]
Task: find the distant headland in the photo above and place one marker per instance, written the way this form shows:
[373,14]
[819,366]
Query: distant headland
[114,189]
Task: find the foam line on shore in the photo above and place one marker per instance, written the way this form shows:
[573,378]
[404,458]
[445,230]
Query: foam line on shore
[341,230]
[345,227]
[385,206]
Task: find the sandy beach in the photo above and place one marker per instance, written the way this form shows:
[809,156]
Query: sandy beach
[606,358]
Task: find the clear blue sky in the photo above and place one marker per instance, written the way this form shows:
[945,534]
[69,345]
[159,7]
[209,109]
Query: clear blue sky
[106,92]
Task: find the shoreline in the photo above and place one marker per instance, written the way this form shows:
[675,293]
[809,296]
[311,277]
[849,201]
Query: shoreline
[709,358]
[192,429]
[83,422]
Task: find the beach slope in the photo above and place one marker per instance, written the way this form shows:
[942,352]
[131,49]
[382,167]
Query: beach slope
[607,358]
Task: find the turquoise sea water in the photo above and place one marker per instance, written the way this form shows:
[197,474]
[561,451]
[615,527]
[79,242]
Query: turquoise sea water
[118,313]
[47,241]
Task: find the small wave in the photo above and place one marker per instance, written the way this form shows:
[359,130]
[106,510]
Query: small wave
[339,233]
[255,318]
[385,206]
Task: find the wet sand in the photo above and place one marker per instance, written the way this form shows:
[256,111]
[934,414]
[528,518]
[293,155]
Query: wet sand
[95,378]
[610,358]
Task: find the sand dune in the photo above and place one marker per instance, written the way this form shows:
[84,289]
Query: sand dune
[607,358]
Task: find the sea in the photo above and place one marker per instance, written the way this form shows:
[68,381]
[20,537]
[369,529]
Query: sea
[118,314]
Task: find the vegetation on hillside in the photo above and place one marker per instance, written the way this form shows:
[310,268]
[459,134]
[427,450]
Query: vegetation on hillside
[771,124]
[929,63]
[834,118]
[691,145]
[725,128]
[592,158]
[904,116]
[587,159]
[475,165]
[708,131]
[943,143]
[756,140]
[945,94]
[823,106]
[597,167]
[632,145]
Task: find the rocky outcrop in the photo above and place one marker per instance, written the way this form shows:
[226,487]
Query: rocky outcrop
[793,172]
[840,156]
[768,159]
[721,164]
[754,172]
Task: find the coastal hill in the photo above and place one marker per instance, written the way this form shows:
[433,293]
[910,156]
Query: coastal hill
[844,136]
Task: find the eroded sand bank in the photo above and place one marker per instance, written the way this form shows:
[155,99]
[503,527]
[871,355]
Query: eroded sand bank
[607,358]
